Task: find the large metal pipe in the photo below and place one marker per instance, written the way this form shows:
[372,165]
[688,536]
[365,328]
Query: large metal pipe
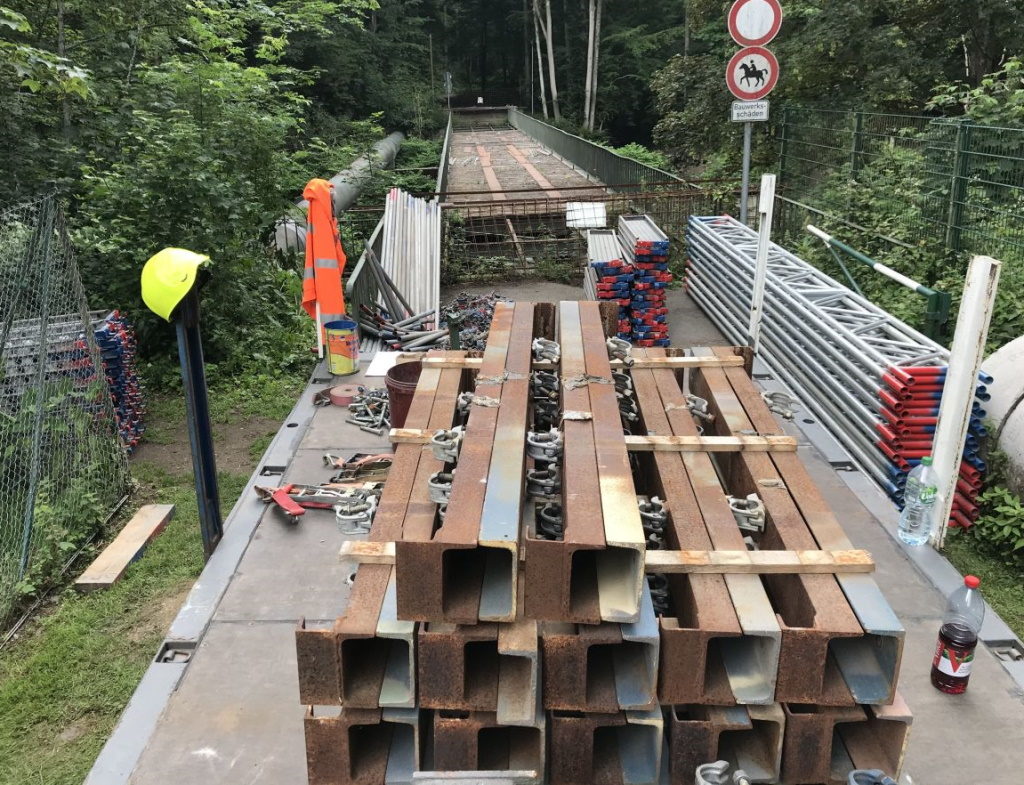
[290,231]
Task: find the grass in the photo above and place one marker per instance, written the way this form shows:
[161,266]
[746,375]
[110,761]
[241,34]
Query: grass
[1002,584]
[65,682]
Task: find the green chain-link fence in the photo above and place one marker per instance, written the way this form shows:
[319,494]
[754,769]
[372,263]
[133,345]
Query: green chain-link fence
[920,193]
[62,468]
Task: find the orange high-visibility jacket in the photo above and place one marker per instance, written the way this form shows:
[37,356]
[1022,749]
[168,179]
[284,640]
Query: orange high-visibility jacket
[325,258]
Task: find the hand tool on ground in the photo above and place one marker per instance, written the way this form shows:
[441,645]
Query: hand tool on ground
[360,466]
[294,499]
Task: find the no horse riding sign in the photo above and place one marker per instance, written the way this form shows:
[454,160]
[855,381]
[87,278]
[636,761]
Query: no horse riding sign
[752,73]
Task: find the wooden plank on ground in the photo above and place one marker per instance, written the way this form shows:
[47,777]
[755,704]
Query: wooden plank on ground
[109,566]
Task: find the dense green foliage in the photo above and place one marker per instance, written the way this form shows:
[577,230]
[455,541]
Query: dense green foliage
[195,123]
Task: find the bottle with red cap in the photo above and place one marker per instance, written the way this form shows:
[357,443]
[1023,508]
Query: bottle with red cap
[958,637]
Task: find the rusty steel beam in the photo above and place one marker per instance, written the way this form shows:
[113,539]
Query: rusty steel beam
[824,744]
[361,746]
[476,741]
[594,573]
[465,570]
[812,609]
[723,643]
[748,737]
[602,668]
[484,667]
[854,662]
[366,659]
[622,748]
[869,665]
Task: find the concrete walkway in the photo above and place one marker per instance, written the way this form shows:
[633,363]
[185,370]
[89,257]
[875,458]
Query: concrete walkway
[230,714]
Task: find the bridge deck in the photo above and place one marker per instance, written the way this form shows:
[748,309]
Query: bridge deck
[505,164]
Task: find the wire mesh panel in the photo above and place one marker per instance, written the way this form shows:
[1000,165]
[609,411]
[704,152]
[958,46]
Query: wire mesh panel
[63,468]
[953,184]
[502,238]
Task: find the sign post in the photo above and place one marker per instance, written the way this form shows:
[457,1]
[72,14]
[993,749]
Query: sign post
[752,73]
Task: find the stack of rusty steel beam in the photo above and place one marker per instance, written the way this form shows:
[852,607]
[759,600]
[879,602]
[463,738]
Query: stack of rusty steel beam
[646,582]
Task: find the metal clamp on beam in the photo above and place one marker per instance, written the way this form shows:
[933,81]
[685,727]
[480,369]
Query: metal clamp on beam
[543,349]
[446,444]
[545,446]
[620,349]
[718,774]
[748,512]
[544,483]
[440,484]
[780,403]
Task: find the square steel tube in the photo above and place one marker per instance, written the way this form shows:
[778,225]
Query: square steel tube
[476,741]
[466,570]
[878,743]
[622,748]
[367,659]
[812,609]
[602,668]
[866,665]
[361,746]
[748,737]
[484,667]
[595,572]
[870,666]
[723,645]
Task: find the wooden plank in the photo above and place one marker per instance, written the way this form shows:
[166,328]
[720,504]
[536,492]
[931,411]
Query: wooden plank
[676,363]
[736,443]
[109,566]
[693,562]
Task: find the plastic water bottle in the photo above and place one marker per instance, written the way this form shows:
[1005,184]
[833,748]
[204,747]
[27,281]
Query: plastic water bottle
[958,637]
[919,501]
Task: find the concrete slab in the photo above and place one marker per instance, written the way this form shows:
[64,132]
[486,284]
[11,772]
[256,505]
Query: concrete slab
[234,718]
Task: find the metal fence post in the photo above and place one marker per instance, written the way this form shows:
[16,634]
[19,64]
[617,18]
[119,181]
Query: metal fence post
[782,148]
[857,151]
[958,187]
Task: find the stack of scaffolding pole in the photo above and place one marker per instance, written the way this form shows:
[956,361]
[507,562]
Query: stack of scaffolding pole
[862,372]
[411,252]
[608,277]
[646,247]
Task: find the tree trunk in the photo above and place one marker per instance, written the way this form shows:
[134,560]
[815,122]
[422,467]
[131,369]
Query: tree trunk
[540,61]
[553,82]
[589,81]
[597,61]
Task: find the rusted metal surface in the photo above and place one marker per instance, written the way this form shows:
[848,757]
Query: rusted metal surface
[366,659]
[749,737]
[483,667]
[475,741]
[622,748]
[451,576]
[812,610]
[870,665]
[354,747]
[821,741]
[723,643]
[595,571]
[601,668]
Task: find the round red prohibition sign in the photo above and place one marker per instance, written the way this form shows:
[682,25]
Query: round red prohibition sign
[752,73]
[754,22]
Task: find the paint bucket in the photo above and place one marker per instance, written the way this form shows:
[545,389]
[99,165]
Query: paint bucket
[401,382]
[342,347]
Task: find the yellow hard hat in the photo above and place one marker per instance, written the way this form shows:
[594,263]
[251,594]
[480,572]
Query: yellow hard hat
[167,277]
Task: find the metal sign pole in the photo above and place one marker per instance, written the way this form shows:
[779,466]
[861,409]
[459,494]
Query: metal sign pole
[748,129]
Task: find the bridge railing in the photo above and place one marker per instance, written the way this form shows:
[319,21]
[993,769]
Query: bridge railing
[442,166]
[615,171]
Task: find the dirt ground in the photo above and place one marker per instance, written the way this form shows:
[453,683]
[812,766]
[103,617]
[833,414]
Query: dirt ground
[232,443]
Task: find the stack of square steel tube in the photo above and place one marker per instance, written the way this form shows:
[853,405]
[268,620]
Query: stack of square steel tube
[525,609]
